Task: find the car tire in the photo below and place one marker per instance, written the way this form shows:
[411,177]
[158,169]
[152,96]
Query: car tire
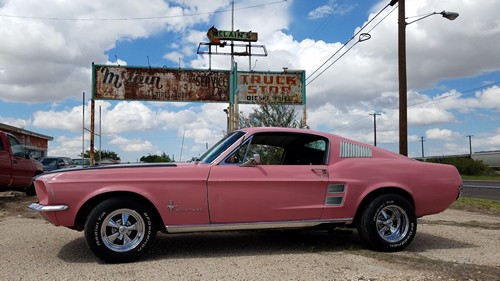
[30,190]
[388,223]
[120,230]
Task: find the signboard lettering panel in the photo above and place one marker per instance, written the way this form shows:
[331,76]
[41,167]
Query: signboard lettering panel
[159,84]
[281,87]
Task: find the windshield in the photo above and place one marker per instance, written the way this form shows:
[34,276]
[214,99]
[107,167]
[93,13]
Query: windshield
[220,147]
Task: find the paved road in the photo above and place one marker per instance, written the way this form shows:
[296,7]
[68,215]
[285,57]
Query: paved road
[482,189]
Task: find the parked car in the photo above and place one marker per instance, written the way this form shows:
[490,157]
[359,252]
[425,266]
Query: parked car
[254,178]
[55,163]
[84,162]
[17,169]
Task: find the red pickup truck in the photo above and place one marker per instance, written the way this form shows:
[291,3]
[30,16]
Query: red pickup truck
[16,168]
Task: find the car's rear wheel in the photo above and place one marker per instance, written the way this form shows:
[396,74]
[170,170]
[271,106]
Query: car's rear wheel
[388,223]
[120,230]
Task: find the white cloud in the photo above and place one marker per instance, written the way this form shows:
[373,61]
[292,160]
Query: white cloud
[441,134]
[49,60]
[132,145]
[320,12]
[16,122]
[66,146]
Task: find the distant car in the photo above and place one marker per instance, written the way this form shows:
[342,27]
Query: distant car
[56,163]
[81,161]
[254,178]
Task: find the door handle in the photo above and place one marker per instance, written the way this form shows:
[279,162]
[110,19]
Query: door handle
[323,172]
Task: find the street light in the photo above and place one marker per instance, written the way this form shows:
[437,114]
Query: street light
[227,119]
[403,88]
[445,14]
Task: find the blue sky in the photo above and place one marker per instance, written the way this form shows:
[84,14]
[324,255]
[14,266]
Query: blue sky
[453,70]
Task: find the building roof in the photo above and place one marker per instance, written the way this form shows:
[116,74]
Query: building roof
[23,131]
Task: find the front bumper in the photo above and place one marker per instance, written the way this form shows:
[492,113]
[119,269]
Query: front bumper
[47,208]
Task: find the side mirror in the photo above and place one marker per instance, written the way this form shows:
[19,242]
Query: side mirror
[253,161]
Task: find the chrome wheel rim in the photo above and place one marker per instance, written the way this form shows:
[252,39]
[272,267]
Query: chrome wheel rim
[122,230]
[392,223]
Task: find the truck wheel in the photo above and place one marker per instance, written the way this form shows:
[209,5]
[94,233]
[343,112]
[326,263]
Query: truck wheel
[30,190]
[388,223]
[120,230]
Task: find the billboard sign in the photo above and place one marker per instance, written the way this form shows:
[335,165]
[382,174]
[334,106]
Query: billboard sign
[281,87]
[159,84]
[215,36]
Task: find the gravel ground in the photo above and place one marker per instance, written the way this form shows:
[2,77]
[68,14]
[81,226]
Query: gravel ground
[453,245]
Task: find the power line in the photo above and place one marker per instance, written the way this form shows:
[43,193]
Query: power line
[457,95]
[318,30]
[140,18]
[311,77]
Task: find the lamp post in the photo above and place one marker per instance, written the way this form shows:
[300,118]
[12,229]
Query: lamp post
[403,88]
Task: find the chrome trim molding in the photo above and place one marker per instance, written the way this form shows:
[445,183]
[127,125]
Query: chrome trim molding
[47,208]
[350,150]
[252,225]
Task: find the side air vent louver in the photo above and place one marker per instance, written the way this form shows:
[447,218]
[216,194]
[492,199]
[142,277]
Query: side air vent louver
[350,150]
[334,200]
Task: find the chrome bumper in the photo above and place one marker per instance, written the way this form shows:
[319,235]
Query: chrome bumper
[43,208]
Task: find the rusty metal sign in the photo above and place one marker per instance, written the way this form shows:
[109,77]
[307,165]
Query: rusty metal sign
[159,84]
[281,87]
[215,36]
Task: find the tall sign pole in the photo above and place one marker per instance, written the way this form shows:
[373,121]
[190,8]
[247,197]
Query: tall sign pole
[92,126]
[233,108]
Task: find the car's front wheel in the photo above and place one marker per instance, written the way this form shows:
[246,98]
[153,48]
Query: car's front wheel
[388,223]
[120,230]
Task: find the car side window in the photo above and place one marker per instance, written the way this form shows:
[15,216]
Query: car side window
[17,147]
[282,149]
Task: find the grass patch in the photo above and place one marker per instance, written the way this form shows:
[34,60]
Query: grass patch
[485,206]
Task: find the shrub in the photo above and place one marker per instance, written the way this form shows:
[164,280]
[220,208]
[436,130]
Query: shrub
[465,165]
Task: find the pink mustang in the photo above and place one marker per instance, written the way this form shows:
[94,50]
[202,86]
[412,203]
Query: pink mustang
[255,178]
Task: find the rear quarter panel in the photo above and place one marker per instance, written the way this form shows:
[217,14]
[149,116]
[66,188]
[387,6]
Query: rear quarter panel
[433,187]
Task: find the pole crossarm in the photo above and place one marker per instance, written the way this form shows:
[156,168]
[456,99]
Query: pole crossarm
[236,50]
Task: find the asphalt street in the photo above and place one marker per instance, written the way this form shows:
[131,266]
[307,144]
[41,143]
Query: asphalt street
[482,189]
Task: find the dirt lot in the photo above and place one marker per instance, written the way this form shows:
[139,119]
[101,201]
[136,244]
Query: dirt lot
[454,245]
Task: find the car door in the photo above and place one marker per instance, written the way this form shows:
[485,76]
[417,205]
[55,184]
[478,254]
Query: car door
[276,190]
[22,168]
[5,166]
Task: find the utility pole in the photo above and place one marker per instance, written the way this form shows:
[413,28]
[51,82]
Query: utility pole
[470,145]
[374,127]
[403,103]
[422,140]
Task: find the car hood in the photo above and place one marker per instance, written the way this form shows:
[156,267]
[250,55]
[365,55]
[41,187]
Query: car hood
[116,166]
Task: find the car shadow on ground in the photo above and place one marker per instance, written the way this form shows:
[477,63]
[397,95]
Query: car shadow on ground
[227,244]
[76,251]
[251,243]
[254,243]
[424,242]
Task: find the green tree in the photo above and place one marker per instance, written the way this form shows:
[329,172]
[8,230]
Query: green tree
[271,114]
[156,158]
[103,155]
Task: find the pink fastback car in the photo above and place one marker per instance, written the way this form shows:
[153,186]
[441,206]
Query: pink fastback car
[255,178]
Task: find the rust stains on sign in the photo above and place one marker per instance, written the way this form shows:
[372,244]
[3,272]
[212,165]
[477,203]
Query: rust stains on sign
[255,87]
[160,84]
